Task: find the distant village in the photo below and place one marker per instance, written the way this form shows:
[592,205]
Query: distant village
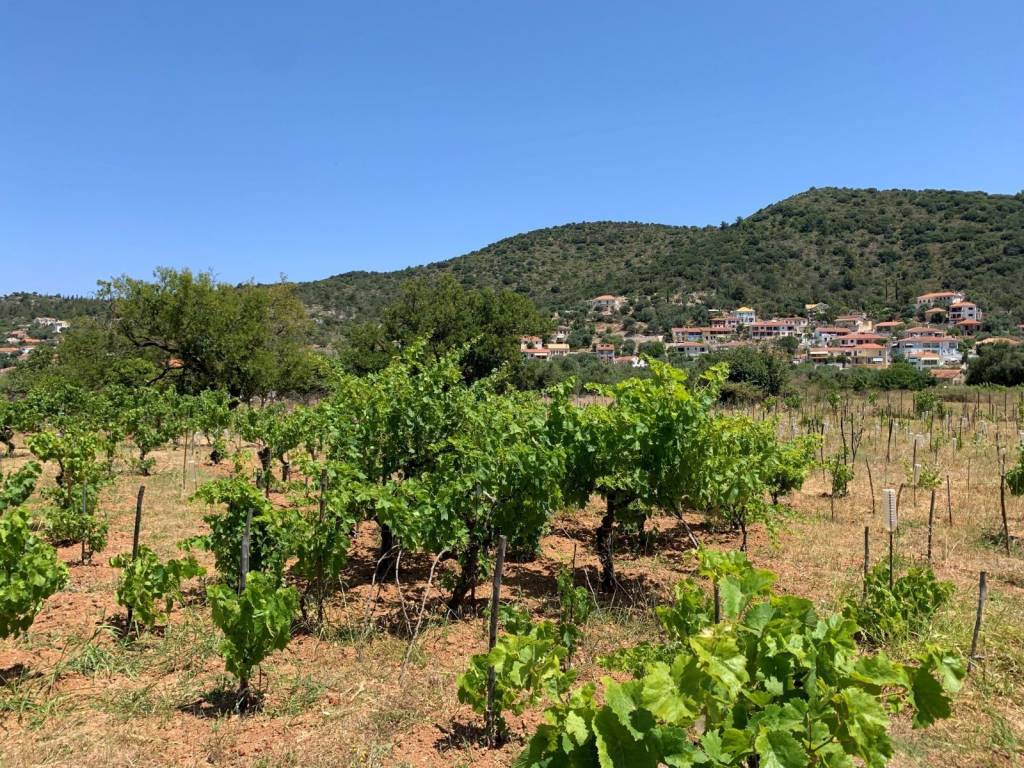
[20,342]
[934,341]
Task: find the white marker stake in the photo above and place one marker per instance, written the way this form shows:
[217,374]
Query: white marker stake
[889,512]
[889,509]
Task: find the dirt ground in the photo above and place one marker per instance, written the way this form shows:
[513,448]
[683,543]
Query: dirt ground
[361,694]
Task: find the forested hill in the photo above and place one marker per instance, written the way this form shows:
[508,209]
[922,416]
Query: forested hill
[20,308]
[852,248]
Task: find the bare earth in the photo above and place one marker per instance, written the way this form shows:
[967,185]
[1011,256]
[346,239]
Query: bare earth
[360,694]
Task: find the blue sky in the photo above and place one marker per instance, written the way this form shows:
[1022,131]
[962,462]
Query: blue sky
[311,138]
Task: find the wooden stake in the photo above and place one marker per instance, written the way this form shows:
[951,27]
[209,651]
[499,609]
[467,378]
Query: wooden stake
[867,535]
[492,638]
[1002,507]
[135,543]
[931,517]
[982,592]
[243,560]
[871,482]
[949,502]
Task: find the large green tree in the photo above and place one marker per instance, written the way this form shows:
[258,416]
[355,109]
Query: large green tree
[246,339]
[448,316]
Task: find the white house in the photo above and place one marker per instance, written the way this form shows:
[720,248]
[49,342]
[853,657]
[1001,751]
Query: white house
[921,349]
[745,315]
[939,298]
[606,303]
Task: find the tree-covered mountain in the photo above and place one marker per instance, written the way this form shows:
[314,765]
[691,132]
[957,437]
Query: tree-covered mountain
[851,248]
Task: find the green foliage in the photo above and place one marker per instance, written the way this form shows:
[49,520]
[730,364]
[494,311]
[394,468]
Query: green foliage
[275,430]
[790,464]
[446,315]
[29,568]
[842,474]
[899,375]
[574,608]
[1015,475]
[886,616]
[928,404]
[773,684]
[336,501]
[275,532]
[766,370]
[248,340]
[152,419]
[73,516]
[642,449]
[150,587]
[527,663]
[999,364]
[255,623]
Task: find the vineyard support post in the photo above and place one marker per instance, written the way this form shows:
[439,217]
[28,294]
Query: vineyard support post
[135,544]
[492,637]
[890,561]
[931,518]
[949,502]
[867,539]
[243,559]
[1002,508]
[982,593]
[243,696]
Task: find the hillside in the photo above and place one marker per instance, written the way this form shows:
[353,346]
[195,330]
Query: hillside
[852,248]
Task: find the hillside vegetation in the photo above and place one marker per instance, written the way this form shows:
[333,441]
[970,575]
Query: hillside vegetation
[852,248]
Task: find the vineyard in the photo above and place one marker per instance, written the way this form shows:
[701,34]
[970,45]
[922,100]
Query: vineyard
[417,571]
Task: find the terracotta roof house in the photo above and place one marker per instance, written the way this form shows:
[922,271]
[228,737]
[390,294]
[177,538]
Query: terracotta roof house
[944,298]
[923,330]
[948,375]
[964,310]
[968,327]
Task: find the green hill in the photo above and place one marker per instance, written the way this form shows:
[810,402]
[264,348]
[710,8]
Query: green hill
[852,248]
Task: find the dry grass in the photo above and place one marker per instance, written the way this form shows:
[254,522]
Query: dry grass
[76,694]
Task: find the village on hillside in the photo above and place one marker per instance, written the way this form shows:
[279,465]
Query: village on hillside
[944,332]
[19,342]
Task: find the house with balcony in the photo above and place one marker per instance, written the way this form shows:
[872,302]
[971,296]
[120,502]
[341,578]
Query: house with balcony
[745,316]
[680,335]
[924,330]
[866,354]
[693,348]
[851,340]
[968,327]
[855,321]
[824,335]
[729,322]
[558,349]
[920,348]
[939,298]
[604,352]
[964,310]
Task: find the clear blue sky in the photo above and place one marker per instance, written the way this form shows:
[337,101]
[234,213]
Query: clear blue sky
[311,138]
